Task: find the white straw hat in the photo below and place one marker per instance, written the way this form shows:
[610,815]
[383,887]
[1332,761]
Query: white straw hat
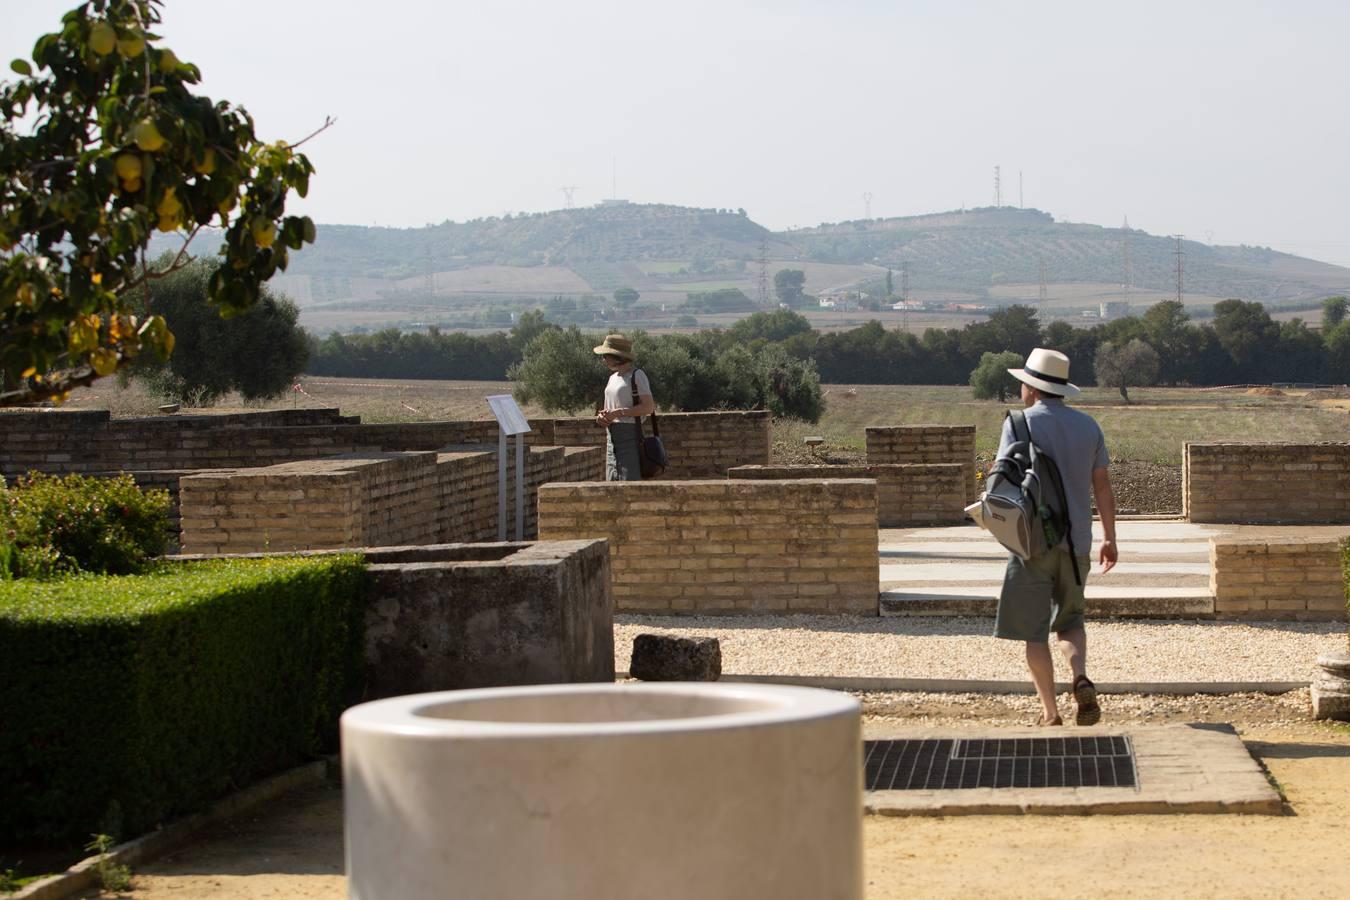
[1048,371]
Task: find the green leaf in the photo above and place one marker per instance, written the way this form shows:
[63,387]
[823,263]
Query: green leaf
[21,67]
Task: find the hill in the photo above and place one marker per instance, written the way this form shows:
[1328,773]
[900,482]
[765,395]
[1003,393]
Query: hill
[456,274]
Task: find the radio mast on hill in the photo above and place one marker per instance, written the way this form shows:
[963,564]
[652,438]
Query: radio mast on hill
[567,195]
[763,273]
[1125,256]
[867,205]
[998,190]
[1179,252]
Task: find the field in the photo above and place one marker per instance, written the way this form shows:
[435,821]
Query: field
[1152,429]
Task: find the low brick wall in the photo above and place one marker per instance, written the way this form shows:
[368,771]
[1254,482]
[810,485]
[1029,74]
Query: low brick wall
[1295,578]
[1266,483]
[908,494]
[728,546]
[700,444]
[926,444]
[367,500]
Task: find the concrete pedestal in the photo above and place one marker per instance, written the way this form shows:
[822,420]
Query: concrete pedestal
[1331,687]
[605,792]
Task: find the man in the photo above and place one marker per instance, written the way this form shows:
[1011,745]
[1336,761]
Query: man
[1043,595]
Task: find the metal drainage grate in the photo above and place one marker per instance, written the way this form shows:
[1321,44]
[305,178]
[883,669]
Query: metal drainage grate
[945,764]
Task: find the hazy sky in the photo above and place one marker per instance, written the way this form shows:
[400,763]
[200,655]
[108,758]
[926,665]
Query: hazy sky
[1226,121]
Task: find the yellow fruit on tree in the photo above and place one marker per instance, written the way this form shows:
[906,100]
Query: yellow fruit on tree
[168,223]
[24,294]
[207,164]
[131,185]
[128,166]
[102,38]
[168,61]
[103,361]
[169,204]
[147,136]
[264,233]
[131,46]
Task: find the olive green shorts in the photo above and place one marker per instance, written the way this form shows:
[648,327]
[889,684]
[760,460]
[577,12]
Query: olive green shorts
[1040,596]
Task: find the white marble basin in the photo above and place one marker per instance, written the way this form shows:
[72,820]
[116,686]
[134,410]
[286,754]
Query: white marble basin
[601,791]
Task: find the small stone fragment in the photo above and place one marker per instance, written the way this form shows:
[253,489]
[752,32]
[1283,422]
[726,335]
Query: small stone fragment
[659,657]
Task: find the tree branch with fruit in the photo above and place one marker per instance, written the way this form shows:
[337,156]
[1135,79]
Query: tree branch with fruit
[102,142]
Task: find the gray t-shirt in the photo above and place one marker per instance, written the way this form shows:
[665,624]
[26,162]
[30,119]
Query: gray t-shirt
[1075,442]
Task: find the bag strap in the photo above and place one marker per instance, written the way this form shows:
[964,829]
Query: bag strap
[632,389]
[1021,430]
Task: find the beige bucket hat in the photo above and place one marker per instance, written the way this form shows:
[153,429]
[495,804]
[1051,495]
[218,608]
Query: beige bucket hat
[615,345]
[1048,371]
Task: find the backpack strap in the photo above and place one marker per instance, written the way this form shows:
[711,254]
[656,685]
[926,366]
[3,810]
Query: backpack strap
[1021,430]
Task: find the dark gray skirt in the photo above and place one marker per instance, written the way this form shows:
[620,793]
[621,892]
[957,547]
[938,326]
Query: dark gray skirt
[621,453]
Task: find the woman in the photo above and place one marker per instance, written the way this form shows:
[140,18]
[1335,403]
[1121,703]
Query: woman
[628,397]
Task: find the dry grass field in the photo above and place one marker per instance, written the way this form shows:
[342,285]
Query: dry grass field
[1151,429]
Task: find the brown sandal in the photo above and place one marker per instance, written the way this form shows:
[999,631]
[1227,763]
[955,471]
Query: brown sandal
[1043,721]
[1085,695]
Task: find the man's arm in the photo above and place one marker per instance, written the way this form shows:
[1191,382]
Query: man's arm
[1106,508]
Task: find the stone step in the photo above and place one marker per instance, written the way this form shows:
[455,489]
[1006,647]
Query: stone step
[989,549]
[1126,602]
[919,573]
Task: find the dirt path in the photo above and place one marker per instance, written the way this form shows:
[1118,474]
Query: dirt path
[295,849]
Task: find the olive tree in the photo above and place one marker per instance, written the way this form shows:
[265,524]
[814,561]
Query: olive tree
[991,380]
[258,353]
[1125,366]
[103,141]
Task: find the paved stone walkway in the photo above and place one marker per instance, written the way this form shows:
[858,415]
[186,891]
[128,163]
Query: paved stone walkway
[1163,570]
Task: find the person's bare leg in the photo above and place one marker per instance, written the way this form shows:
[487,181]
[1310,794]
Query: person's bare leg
[1073,646]
[1042,667]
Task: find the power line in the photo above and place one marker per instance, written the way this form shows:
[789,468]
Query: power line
[867,205]
[998,190]
[1043,293]
[567,195]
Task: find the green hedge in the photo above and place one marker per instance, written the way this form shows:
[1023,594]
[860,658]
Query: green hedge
[158,693]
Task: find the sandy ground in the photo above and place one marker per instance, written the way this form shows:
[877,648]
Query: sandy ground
[294,849]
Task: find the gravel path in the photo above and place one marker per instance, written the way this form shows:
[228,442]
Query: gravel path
[1118,650]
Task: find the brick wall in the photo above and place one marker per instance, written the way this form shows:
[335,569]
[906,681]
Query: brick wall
[60,441]
[369,499]
[728,546]
[700,445]
[908,494]
[1266,483]
[1294,578]
[926,444]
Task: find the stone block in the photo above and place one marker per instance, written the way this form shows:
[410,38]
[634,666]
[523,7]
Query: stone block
[658,657]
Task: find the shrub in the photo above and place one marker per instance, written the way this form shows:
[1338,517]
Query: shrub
[51,525]
[161,692]
[1345,573]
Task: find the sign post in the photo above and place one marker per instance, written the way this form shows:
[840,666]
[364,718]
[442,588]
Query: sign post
[510,421]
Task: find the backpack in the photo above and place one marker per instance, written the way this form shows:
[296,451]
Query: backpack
[1024,505]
